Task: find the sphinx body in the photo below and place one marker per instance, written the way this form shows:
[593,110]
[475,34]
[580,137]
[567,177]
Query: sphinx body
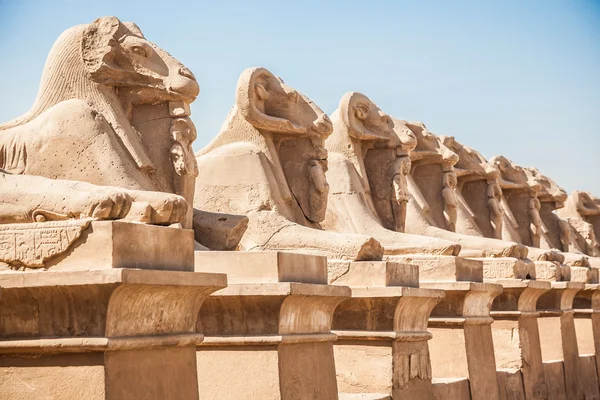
[581,211]
[530,199]
[268,162]
[82,127]
[432,187]
[366,175]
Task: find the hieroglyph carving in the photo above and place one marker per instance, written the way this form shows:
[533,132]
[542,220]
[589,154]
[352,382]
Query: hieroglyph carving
[30,245]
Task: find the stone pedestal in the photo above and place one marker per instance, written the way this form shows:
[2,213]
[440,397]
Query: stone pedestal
[268,335]
[514,310]
[507,268]
[90,245]
[558,304]
[101,334]
[467,307]
[443,268]
[382,331]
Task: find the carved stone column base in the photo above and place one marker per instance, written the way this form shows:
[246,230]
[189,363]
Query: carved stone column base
[106,334]
[557,309]
[382,341]
[268,336]
[587,321]
[516,337]
[463,319]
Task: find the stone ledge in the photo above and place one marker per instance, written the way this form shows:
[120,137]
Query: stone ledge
[283,289]
[395,291]
[97,344]
[10,280]
[266,340]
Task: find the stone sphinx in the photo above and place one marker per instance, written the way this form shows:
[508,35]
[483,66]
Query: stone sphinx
[436,207]
[582,212]
[269,162]
[523,190]
[368,164]
[483,210]
[82,126]
[557,233]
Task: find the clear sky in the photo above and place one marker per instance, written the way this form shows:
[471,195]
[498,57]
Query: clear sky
[519,78]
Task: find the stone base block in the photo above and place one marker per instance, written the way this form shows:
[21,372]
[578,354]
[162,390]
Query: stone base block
[263,266]
[581,274]
[510,384]
[444,268]
[451,388]
[555,380]
[505,268]
[86,245]
[549,271]
[373,274]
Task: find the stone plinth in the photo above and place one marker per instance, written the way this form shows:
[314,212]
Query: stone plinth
[507,268]
[114,333]
[274,332]
[87,245]
[465,313]
[263,266]
[514,310]
[443,268]
[382,331]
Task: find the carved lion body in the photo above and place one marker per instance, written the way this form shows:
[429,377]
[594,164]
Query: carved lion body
[80,128]
[363,152]
[268,162]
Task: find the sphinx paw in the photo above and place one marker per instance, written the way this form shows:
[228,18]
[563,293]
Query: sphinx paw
[108,204]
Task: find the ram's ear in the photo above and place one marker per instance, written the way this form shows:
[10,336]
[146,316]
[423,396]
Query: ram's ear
[354,111]
[361,111]
[98,41]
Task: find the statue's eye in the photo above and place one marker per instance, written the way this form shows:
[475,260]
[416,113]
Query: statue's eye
[139,51]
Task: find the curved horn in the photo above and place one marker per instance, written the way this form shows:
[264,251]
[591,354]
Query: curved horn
[350,107]
[252,82]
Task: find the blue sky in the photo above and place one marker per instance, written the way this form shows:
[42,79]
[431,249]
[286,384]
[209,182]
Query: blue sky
[511,77]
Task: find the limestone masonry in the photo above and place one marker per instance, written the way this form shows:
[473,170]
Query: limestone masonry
[296,257]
